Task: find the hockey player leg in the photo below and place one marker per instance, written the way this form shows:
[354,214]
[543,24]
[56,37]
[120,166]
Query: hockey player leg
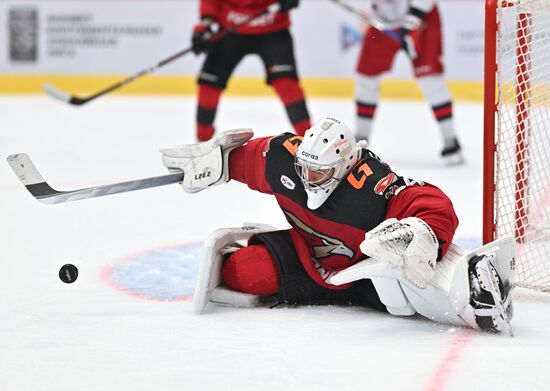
[208,99]
[277,54]
[467,289]
[402,298]
[216,246]
[292,96]
[366,99]
[437,94]
[205,164]
[376,58]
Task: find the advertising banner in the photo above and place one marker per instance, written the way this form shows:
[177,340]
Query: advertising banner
[123,36]
[93,37]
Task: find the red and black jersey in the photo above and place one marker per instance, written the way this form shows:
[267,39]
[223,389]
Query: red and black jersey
[327,239]
[230,12]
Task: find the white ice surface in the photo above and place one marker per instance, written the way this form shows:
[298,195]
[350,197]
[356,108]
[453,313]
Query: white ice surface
[89,336]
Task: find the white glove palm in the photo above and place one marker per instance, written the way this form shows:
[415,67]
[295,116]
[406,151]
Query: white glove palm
[207,163]
[409,246]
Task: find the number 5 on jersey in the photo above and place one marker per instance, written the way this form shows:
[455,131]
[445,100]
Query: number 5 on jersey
[362,173]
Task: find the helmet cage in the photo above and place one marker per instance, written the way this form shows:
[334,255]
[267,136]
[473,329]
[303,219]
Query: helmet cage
[317,177]
[326,154]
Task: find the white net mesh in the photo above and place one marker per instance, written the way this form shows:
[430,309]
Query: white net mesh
[522,173]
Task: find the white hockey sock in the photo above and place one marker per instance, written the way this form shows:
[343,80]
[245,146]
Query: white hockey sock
[439,98]
[364,128]
[447,130]
[366,97]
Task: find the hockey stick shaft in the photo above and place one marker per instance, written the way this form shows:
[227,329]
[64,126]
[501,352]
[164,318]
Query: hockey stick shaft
[387,28]
[31,178]
[79,101]
[370,19]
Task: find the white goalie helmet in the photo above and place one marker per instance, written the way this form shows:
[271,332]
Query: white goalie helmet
[327,153]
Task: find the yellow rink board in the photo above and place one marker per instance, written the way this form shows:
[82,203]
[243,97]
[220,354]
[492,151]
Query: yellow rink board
[238,85]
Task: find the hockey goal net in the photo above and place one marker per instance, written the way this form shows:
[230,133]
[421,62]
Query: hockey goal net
[517,134]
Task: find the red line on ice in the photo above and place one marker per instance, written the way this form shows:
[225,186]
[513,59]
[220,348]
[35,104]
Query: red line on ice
[447,365]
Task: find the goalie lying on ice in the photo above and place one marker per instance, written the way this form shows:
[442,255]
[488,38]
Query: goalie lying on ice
[361,234]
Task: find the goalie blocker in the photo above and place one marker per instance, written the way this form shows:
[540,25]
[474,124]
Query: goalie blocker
[467,289]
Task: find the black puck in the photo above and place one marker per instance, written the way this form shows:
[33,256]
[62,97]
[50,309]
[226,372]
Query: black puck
[68,273]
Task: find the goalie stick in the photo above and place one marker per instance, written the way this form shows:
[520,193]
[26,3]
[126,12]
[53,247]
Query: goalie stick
[75,100]
[29,175]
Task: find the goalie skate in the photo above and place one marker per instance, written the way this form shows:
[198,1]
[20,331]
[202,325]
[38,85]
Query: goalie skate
[489,295]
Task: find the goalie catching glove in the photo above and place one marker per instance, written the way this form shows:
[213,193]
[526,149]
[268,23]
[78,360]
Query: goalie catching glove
[409,246]
[205,164]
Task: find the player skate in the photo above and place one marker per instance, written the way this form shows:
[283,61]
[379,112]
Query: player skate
[452,152]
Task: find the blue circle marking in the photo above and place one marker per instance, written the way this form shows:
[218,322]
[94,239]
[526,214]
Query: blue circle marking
[160,274]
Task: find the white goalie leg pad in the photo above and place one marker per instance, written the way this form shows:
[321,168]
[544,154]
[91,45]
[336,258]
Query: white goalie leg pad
[409,246]
[384,280]
[205,164]
[392,296]
[208,287]
[447,298]
[402,298]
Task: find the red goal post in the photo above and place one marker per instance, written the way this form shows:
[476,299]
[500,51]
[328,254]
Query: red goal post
[516,194]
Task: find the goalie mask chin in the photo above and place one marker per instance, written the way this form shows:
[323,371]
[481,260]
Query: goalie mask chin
[327,153]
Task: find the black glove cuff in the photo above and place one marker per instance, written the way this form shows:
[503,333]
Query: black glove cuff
[417,12]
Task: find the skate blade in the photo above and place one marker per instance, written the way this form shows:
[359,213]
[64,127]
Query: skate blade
[455,159]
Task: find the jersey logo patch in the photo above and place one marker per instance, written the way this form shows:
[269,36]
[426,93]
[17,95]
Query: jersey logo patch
[384,183]
[327,245]
[287,182]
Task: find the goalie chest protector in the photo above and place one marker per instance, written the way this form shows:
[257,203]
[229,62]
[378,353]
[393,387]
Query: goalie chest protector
[334,231]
